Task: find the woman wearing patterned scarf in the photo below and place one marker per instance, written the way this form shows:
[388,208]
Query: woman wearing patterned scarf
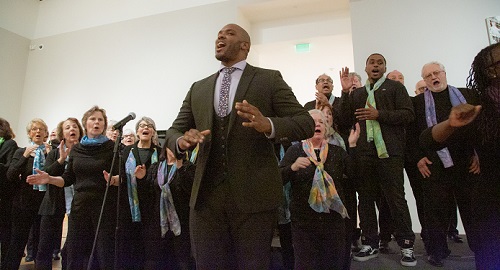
[53,207]
[137,196]
[173,182]
[26,198]
[7,148]
[87,165]
[315,169]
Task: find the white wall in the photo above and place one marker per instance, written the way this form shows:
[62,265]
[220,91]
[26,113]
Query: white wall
[13,62]
[330,41]
[143,65]
[414,32]
[19,16]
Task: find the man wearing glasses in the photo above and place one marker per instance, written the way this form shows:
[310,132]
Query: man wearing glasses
[324,95]
[448,174]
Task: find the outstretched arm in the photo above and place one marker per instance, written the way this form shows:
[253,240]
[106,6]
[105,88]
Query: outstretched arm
[42,178]
[460,116]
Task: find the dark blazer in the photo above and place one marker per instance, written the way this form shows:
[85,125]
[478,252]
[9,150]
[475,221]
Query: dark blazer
[253,172]
[395,113]
[54,202]
[460,152]
[7,150]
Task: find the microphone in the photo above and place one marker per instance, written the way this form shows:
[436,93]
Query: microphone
[121,123]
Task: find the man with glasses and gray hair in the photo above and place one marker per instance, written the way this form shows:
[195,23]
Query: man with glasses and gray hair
[448,174]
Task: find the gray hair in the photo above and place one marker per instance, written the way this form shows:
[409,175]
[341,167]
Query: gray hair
[146,119]
[432,63]
[328,130]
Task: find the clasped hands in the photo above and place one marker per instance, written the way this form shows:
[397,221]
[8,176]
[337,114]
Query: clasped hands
[247,111]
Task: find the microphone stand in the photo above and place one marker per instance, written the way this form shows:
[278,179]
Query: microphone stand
[116,152]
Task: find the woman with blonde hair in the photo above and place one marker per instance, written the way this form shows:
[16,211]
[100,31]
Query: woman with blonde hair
[315,169]
[26,198]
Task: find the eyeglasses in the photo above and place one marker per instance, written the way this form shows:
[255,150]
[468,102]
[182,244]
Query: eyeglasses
[146,126]
[325,80]
[34,129]
[435,73]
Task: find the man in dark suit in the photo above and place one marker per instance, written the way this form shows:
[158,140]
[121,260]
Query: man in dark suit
[237,186]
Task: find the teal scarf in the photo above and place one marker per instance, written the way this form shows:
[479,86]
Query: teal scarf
[337,140]
[39,163]
[133,198]
[194,154]
[373,131]
[94,141]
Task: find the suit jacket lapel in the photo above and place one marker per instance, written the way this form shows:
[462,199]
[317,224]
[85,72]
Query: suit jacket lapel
[242,89]
[208,103]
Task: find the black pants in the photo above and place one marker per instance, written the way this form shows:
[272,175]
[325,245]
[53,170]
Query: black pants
[285,233]
[441,189]
[225,238]
[82,224]
[385,223]
[416,182]
[22,220]
[351,204]
[385,175]
[319,244]
[50,239]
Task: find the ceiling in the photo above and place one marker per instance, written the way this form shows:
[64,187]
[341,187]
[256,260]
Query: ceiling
[270,10]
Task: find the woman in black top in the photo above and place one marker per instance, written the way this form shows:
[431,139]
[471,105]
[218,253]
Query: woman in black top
[26,198]
[7,148]
[53,207]
[87,165]
[137,196]
[316,170]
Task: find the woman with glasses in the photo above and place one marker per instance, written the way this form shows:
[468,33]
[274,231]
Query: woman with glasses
[138,195]
[7,148]
[26,198]
[87,168]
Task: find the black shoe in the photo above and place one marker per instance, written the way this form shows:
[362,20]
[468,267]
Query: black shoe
[408,257]
[455,238]
[28,258]
[56,257]
[366,253]
[355,247]
[447,253]
[384,247]
[435,261]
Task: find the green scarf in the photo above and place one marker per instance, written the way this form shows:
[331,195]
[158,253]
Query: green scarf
[373,131]
[1,140]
